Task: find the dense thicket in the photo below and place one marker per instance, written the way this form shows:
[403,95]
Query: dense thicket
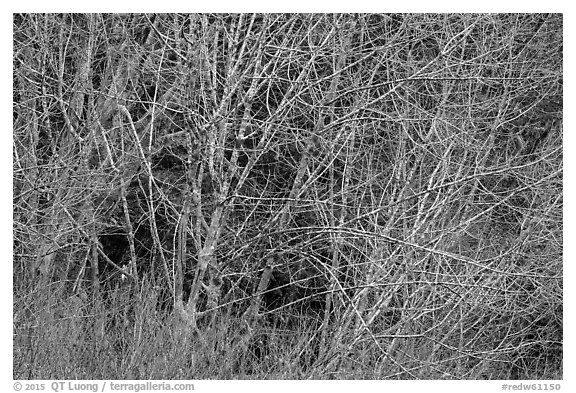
[349,196]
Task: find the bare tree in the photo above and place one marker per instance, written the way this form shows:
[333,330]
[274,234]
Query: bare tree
[393,181]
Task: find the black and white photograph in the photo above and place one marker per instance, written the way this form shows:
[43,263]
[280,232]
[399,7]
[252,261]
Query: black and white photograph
[287,196]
